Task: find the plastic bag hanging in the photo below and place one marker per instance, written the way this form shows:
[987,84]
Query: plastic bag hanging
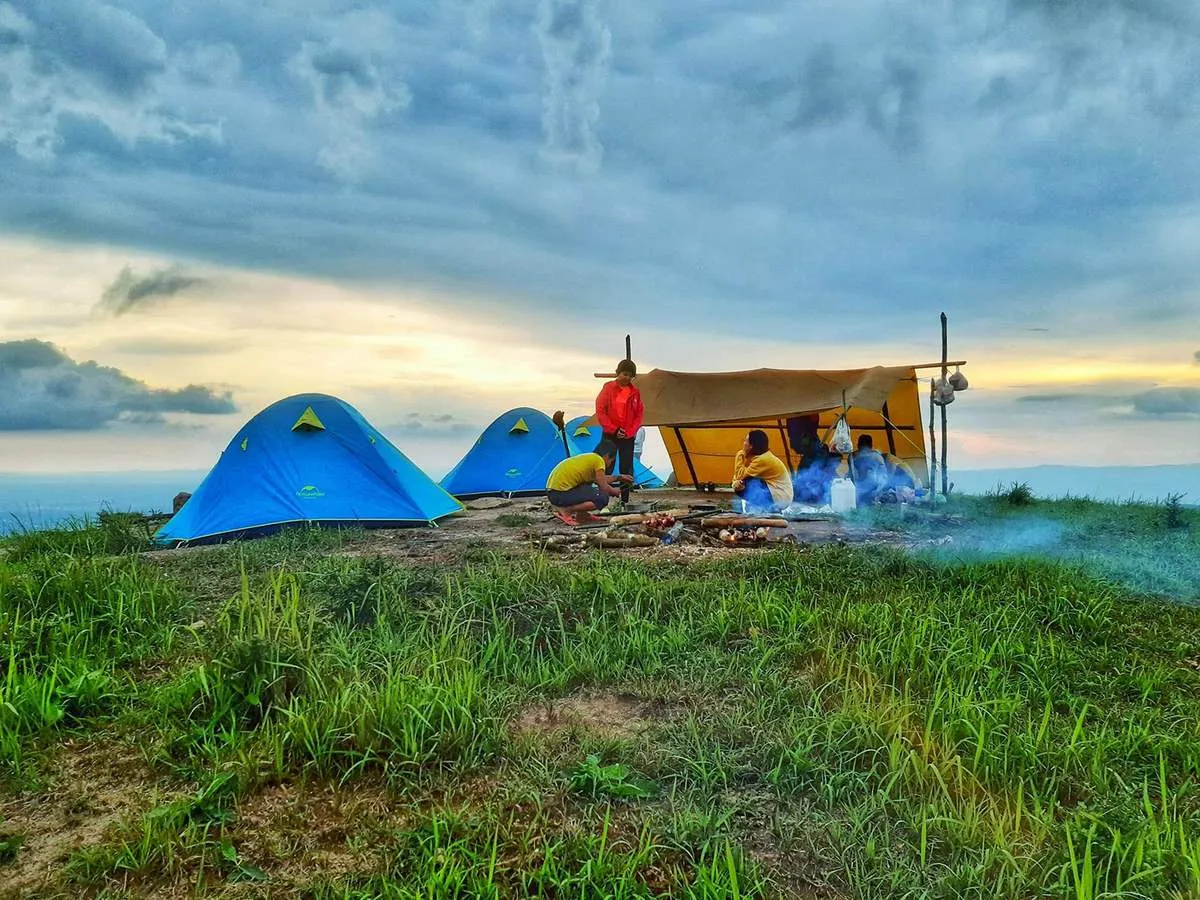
[958,380]
[943,392]
[842,443]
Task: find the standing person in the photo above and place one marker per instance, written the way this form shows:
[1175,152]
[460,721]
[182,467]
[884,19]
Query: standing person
[639,441]
[580,484]
[620,413]
[760,479]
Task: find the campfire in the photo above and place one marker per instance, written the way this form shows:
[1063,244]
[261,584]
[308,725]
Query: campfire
[697,525]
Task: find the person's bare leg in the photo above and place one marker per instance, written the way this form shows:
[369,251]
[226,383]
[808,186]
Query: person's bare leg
[579,512]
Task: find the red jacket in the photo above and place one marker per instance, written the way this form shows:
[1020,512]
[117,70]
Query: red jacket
[610,418]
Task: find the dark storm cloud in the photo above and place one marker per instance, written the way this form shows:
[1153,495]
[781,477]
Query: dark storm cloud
[43,389]
[835,173]
[130,291]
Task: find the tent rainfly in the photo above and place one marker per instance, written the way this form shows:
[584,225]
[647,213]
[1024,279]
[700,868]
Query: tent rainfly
[703,416]
[513,457]
[308,459]
[588,436]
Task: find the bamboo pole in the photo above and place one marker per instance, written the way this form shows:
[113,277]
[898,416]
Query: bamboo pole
[931,365]
[945,371]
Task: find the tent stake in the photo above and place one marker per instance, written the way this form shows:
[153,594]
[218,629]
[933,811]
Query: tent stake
[945,476]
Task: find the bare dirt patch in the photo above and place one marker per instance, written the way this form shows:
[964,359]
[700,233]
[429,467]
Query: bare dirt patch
[617,715]
[297,831]
[94,785]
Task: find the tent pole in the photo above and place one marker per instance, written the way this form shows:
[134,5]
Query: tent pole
[945,475]
[687,457]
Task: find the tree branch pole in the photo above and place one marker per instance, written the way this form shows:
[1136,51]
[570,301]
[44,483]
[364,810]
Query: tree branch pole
[932,440]
[945,370]
[629,351]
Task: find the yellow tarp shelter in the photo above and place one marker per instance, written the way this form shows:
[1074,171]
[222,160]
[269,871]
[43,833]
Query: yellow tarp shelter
[703,416]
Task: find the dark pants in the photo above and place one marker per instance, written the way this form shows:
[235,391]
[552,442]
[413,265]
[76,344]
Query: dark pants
[581,494]
[624,460]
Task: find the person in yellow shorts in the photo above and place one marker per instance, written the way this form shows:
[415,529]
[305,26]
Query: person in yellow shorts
[761,481]
[579,484]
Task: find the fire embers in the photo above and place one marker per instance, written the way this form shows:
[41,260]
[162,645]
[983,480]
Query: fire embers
[743,534]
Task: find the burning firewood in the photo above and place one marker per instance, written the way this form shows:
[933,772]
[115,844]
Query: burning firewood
[745,534]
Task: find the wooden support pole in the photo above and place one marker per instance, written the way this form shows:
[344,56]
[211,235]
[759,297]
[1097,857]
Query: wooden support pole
[932,441]
[628,348]
[945,370]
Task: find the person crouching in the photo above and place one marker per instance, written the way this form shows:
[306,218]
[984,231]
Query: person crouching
[761,481]
[580,484]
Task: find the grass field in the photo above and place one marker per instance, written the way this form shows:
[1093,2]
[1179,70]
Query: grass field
[1015,715]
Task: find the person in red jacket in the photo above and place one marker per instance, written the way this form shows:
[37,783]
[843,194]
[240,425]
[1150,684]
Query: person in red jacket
[620,413]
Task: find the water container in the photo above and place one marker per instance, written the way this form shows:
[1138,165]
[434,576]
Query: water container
[843,496]
[673,535]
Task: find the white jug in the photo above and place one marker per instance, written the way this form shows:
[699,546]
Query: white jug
[843,496]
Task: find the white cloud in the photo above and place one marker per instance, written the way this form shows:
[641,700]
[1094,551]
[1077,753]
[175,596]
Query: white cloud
[84,60]
[348,92]
[576,49]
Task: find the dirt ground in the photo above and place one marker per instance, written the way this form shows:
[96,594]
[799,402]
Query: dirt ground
[520,524]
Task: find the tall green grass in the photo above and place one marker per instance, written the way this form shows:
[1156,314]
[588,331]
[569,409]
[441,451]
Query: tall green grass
[70,629]
[984,726]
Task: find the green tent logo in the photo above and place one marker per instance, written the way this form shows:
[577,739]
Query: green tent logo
[310,491]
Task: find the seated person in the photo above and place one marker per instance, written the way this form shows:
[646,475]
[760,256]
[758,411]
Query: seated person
[900,474]
[578,484]
[817,465]
[870,471]
[760,479]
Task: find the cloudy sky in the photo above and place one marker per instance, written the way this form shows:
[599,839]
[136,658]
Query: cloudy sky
[439,210]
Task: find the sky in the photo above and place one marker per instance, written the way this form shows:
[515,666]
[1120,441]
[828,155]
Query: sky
[440,210]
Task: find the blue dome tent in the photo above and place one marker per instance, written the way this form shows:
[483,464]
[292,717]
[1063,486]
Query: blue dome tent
[587,438]
[308,459]
[513,457]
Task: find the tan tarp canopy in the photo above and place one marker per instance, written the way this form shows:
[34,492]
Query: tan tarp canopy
[703,416]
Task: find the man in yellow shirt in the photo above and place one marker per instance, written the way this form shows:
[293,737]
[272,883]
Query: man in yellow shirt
[760,479]
[579,484]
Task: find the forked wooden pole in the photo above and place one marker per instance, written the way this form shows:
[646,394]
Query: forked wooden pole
[945,370]
[932,441]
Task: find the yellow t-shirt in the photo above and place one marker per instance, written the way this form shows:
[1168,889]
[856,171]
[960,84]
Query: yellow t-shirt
[769,468]
[574,471]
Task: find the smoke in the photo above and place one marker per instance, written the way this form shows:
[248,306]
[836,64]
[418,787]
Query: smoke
[130,290]
[576,48]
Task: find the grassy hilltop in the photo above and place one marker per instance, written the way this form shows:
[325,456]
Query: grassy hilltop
[1014,712]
